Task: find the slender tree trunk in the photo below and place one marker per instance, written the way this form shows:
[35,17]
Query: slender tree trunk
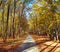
[53,10]
[3,22]
[14,19]
[57,32]
[0,2]
[6,30]
[36,26]
[19,30]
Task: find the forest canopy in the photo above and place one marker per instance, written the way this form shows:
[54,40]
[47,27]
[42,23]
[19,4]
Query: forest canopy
[18,16]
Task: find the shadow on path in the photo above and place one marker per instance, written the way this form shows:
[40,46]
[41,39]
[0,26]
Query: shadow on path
[28,45]
[25,46]
[46,47]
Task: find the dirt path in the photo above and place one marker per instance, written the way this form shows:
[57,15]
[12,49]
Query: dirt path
[28,45]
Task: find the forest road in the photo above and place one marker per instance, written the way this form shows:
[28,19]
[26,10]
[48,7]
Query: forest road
[28,45]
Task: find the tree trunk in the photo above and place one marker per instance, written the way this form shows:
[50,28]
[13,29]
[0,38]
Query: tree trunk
[6,30]
[3,22]
[14,19]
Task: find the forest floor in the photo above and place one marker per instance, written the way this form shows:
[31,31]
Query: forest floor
[30,43]
[11,44]
[45,45]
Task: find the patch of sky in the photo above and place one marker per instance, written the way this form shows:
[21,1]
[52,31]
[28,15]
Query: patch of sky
[29,5]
